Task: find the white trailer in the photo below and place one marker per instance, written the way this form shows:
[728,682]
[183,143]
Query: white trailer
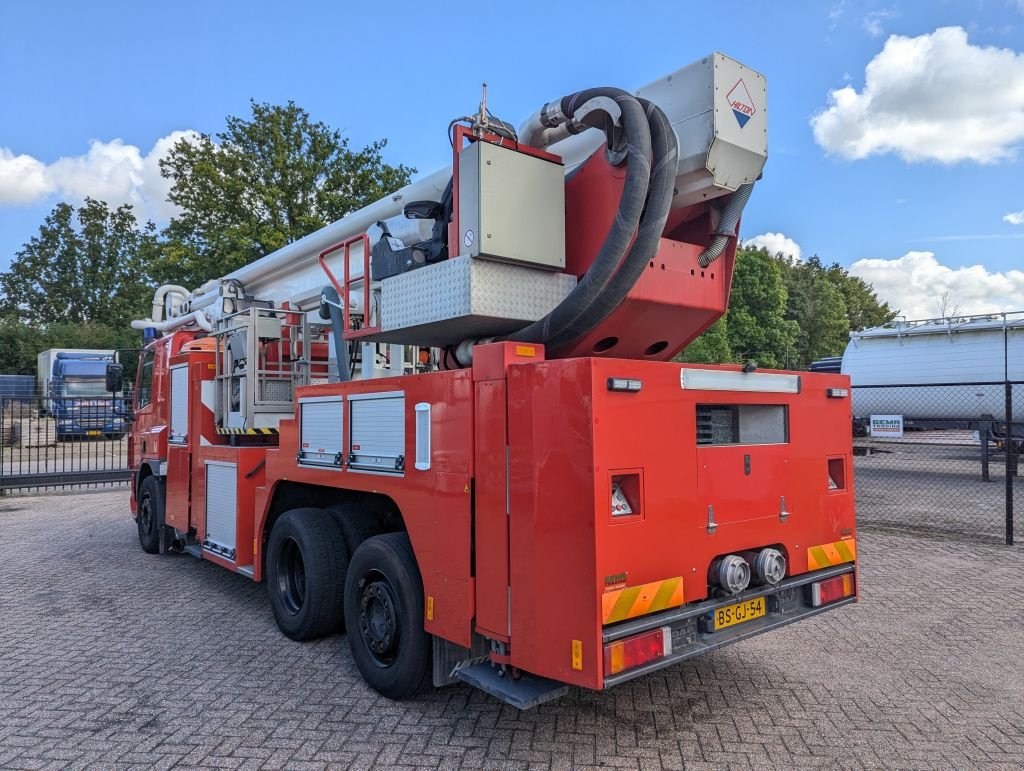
[951,369]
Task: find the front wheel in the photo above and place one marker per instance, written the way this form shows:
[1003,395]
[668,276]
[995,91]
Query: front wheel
[150,518]
[384,614]
[306,561]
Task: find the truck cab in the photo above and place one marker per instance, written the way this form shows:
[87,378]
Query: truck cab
[78,400]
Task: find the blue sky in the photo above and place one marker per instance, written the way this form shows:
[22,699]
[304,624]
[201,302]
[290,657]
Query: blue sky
[912,173]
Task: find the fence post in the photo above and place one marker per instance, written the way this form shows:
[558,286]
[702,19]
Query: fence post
[1011,463]
[984,432]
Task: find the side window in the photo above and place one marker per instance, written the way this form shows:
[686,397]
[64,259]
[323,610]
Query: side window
[144,386]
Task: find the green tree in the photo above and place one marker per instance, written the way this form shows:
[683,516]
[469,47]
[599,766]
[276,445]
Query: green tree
[712,347]
[758,328]
[85,265]
[261,184]
[863,308]
[20,343]
[817,305]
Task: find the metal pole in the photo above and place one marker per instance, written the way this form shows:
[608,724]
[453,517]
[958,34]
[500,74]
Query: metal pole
[984,432]
[1011,463]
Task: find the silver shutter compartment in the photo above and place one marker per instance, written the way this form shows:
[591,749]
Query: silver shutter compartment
[179,404]
[221,508]
[377,431]
[321,430]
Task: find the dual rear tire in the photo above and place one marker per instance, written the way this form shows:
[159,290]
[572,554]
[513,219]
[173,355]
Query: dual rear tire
[327,569]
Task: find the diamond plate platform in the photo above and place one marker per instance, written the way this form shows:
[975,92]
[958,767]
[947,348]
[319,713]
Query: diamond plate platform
[461,298]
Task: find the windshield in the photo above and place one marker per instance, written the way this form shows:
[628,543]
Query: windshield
[85,387]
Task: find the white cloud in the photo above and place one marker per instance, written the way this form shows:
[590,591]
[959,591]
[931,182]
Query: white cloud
[934,97]
[1015,217]
[915,282]
[775,243]
[113,171]
[22,178]
[873,21]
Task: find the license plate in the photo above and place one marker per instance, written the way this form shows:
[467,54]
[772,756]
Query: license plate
[93,433]
[731,615]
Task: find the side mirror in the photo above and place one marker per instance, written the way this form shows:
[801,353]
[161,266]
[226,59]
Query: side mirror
[423,210]
[115,377]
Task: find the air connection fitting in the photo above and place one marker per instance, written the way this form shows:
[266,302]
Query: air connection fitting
[769,566]
[731,573]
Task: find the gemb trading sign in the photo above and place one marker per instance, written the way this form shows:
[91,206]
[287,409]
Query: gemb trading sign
[887,426]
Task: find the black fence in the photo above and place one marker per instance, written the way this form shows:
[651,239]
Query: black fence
[941,459]
[77,441]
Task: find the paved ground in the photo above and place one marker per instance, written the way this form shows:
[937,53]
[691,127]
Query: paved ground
[110,657]
[926,484]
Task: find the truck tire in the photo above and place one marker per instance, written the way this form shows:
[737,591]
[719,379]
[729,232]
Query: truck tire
[306,563]
[384,609]
[150,518]
[357,524]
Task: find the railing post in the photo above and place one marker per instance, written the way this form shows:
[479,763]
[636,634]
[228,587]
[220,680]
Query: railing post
[1011,463]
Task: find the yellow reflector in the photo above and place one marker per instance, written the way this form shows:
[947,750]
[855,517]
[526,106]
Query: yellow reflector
[577,654]
[430,608]
[525,350]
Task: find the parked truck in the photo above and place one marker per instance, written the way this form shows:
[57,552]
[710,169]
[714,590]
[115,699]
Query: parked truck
[468,444]
[72,386]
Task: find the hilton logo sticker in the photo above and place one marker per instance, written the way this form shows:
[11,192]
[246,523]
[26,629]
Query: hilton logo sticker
[741,103]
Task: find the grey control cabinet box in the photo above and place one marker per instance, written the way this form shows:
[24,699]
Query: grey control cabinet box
[511,207]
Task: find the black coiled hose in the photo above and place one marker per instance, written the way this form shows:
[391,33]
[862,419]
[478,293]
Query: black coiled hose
[637,140]
[661,190]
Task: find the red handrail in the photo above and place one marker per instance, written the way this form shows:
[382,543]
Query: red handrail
[345,286]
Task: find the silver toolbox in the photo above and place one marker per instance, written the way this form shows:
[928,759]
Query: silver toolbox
[321,430]
[465,297]
[377,431]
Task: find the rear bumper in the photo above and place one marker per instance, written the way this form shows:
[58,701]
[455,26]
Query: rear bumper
[786,603]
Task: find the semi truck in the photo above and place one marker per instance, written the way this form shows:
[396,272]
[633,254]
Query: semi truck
[72,385]
[451,424]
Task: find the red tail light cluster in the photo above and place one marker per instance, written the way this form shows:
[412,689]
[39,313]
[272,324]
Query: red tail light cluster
[824,592]
[637,650]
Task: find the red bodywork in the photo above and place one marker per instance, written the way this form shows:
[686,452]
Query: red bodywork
[512,524]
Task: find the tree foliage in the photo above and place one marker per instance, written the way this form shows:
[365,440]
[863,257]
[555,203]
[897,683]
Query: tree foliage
[84,266]
[819,305]
[260,184]
[758,326]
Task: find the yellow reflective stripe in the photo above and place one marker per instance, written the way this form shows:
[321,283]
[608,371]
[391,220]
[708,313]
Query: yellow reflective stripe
[828,554]
[635,601]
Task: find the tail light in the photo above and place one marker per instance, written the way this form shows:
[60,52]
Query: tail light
[635,651]
[824,592]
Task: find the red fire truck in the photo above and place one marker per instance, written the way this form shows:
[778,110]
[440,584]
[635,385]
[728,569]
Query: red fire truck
[451,423]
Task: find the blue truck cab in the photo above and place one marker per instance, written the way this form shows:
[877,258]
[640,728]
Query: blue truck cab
[78,398]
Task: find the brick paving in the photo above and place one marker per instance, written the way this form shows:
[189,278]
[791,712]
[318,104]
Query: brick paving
[112,658]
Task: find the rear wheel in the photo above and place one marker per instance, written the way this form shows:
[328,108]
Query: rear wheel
[150,518]
[306,563]
[384,609]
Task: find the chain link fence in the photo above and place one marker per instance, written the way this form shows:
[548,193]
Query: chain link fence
[940,459]
[77,441]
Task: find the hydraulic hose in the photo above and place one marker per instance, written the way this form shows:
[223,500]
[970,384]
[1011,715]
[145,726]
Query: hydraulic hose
[661,190]
[727,223]
[636,137]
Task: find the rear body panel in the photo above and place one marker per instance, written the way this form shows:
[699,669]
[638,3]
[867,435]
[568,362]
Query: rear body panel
[569,436]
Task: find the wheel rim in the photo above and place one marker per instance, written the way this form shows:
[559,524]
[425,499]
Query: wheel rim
[146,514]
[291,577]
[378,620]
